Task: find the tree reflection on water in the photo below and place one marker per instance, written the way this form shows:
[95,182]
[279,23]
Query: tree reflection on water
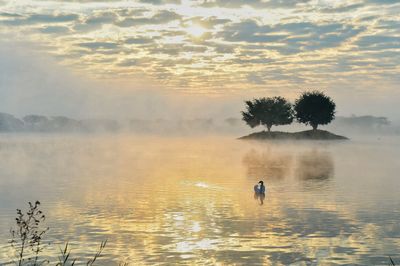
[315,165]
[312,167]
[267,165]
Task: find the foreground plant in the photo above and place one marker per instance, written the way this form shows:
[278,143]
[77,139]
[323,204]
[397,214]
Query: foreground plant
[27,240]
[65,258]
[27,236]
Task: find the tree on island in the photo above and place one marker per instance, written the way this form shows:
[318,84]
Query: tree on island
[314,108]
[268,112]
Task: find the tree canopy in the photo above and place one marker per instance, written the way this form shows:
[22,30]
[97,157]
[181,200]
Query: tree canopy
[268,112]
[314,108]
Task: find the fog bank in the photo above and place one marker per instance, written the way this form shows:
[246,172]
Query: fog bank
[33,82]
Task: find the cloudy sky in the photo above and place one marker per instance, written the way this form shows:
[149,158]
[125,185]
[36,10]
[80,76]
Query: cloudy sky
[220,48]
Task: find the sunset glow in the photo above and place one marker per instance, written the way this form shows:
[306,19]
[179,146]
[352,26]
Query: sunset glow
[195,30]
[216,46]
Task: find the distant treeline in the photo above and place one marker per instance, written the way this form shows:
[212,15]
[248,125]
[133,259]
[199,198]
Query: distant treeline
[366,124]
[54,124]
[365,121]
[40,123]
[63,124]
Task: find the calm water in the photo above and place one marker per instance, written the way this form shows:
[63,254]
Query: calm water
[190,201]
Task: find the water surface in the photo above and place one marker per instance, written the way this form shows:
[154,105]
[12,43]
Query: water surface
[190,200]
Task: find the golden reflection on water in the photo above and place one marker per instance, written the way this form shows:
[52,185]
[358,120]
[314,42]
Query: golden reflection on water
[190,201]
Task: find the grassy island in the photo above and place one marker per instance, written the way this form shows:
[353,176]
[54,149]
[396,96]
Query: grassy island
[302,135]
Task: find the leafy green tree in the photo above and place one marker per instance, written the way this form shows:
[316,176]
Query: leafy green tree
[314,108]
[268,112]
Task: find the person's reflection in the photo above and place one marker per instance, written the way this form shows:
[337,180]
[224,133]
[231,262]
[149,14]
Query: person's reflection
[259,192]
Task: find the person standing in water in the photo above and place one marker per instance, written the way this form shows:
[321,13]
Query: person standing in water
[259,192]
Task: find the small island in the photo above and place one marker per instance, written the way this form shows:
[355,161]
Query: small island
[302,135]
[311,108]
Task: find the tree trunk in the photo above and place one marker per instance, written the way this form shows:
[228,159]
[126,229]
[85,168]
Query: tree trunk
[314,126]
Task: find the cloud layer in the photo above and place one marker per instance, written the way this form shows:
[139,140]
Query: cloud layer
[217,46]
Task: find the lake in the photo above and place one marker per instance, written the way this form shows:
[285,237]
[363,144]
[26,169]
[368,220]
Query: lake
[190,200]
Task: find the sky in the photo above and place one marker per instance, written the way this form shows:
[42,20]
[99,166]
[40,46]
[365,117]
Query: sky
[104,57]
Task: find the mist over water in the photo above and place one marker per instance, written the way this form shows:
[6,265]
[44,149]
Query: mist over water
[190,199]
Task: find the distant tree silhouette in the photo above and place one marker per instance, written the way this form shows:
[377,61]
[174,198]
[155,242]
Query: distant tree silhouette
[268,112]
[35,119]
[314,108]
